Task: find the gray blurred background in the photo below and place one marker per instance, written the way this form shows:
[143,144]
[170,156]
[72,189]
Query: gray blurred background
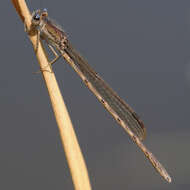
[142,49]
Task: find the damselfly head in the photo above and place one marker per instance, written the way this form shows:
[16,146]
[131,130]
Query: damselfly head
[38,15]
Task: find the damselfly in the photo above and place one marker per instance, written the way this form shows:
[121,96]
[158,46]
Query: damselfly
[56,38]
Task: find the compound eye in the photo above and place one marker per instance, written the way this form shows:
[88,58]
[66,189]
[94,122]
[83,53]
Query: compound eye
[36,17]
[44,13]
[44,10]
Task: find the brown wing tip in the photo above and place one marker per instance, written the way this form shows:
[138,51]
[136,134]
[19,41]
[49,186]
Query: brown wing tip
[135,115]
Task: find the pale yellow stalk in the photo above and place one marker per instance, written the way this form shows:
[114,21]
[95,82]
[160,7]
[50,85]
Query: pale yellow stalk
[72,150]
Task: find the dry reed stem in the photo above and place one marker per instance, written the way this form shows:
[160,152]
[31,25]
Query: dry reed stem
[71,147]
